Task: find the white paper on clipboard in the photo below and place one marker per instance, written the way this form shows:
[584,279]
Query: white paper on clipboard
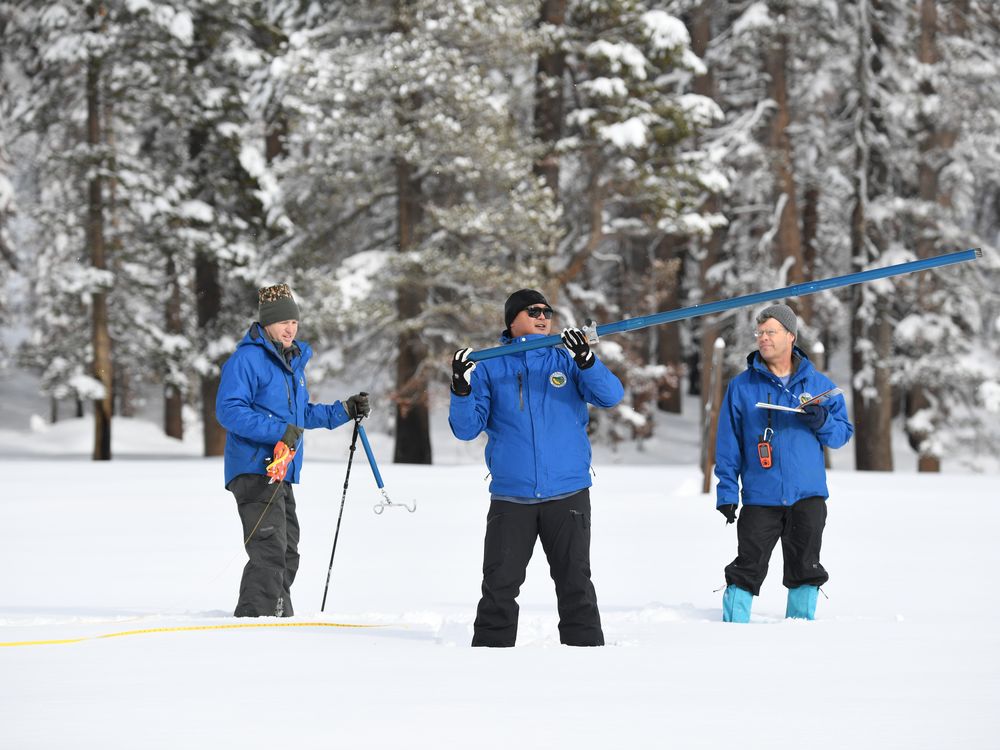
[800,409]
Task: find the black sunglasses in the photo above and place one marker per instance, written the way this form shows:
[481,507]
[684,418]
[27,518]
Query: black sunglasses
[537,312]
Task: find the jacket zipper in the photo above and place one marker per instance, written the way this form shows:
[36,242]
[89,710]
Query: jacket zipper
[520,391]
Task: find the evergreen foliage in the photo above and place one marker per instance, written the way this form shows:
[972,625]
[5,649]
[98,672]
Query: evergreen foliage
[389,160]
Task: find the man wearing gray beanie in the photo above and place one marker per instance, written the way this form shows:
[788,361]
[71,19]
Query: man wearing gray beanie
[769,454]
[264,405]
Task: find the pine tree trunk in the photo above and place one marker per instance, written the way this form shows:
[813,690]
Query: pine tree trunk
[208,293]
[668,337]
[207,286]
[933,147]
[173,401]
[871,344]
[872,405]
[100,338]
[916,401]
[124,393]
[413,436]
[549,97]
[710,251]
[810,230]
[788,235]
[173,412]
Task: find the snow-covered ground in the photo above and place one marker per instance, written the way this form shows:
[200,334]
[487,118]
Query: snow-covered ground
[905,653]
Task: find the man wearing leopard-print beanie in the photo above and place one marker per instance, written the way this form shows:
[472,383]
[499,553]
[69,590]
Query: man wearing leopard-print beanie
[264,405]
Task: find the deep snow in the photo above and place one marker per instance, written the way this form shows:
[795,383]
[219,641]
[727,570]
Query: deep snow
[905,653]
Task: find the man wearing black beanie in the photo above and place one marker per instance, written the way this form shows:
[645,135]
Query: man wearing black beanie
[533,407]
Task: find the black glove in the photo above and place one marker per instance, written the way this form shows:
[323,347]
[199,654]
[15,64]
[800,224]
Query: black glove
[729,511]
[576,341]
[814,416]
[291,437]
[461,372]
[358,406]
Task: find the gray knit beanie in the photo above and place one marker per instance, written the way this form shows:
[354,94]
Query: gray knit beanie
[781,313]
[276,304]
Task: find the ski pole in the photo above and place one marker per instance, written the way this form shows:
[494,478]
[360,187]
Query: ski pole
[343,497]
[385,502]
[796,290]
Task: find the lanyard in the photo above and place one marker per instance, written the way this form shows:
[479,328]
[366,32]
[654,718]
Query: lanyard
[764,452]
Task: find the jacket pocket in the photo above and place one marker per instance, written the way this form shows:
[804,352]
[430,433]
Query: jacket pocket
[579,546]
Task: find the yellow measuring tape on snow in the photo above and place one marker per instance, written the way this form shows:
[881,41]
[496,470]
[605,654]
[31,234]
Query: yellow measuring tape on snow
[187,628]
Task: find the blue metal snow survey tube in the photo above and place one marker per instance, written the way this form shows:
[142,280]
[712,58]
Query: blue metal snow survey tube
[371,457]
[695,311]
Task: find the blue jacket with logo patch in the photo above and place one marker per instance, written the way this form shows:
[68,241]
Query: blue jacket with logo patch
[798,469]
[533,407]
[259,395]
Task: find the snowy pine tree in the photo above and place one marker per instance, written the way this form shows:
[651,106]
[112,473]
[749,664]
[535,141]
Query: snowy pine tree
[410,186]
[632,183]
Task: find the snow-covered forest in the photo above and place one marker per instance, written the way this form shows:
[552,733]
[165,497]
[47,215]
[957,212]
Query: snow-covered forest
[404,165]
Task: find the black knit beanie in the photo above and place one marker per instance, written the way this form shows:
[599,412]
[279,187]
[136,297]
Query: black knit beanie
[276,304]
[519,300]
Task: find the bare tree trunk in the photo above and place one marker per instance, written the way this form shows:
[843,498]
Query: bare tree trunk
[124,393]
[207,286]
[871,344]
[549,96]
[788,237]
[933,147]
[710,414]
[668,338]
[103,370]
[413,437]
[810,230]
[208,293]
[873,405]
[711,250]
[173,401]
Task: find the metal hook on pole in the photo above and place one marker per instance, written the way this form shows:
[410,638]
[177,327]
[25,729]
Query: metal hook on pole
[385,502]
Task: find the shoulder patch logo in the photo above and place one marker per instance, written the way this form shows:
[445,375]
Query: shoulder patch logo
[558,379]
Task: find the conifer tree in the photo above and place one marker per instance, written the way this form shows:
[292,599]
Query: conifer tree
[410,186]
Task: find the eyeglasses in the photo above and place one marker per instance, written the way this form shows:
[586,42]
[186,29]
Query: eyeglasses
[538,312]
[770,333]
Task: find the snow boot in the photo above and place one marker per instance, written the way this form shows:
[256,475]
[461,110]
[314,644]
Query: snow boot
[802,603]
[736,604]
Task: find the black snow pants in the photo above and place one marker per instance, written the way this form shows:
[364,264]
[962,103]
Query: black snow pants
[273,547]
[511,530]
[800,528]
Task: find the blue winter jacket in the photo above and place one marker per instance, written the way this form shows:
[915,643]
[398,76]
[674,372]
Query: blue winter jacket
[798,470]
[533,407]
[259,395]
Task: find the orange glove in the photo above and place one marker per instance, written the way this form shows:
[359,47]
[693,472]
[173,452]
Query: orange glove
[278,467]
